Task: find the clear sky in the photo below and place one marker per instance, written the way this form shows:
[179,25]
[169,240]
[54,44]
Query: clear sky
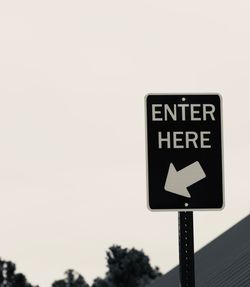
[73,75]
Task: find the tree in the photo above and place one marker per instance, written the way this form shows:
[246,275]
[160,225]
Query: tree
[72,279]
[9,277]
[98,282]
[127,268]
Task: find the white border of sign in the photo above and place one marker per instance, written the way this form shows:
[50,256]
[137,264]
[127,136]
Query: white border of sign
[222,149]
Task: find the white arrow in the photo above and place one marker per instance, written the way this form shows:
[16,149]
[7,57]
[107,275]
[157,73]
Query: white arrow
[178,181]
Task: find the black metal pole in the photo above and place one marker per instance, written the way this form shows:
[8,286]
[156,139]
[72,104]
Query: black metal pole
[186,249]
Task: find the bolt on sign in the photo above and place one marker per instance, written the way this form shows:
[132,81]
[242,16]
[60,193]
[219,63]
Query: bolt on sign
[184,152]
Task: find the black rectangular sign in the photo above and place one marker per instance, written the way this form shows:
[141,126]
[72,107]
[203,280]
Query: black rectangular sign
[184,152]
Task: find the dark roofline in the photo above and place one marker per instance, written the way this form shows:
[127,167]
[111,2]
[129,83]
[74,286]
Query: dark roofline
[219,252]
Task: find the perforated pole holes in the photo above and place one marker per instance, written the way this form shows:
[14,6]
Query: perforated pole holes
[187,277]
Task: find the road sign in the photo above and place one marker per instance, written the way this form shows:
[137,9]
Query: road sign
[184,152]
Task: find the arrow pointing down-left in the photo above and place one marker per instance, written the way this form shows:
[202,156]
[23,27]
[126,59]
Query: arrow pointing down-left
[178,181]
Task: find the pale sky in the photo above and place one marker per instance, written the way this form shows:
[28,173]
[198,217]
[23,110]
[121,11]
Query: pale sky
[73,76]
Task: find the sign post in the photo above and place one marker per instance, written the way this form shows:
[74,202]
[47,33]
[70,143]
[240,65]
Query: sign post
[184,162]
[186,249]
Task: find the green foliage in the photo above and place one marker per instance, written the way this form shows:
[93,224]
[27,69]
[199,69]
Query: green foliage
[72,279]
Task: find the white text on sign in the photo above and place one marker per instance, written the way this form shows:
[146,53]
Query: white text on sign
[183,112]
